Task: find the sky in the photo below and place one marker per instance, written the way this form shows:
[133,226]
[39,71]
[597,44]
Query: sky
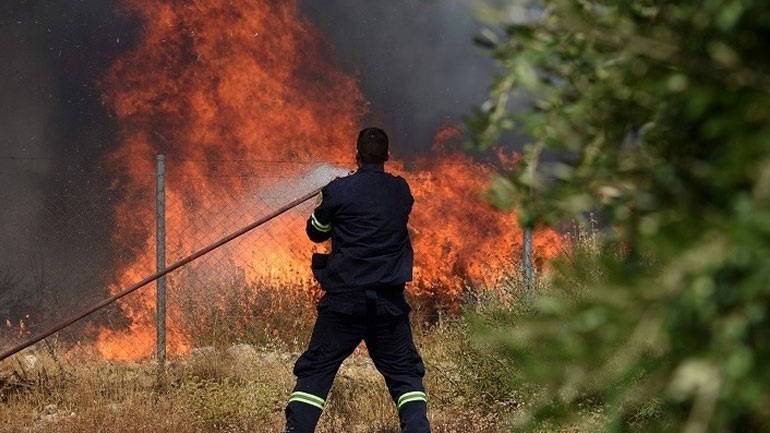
[414,59]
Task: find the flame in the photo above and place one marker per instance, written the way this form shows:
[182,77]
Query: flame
[254,82]
[459,240]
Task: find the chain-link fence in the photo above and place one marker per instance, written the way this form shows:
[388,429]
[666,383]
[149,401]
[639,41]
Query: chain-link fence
[65,249]
[64,252]
[55,248]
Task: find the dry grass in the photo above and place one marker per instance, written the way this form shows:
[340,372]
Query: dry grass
[221,392]
[471,389]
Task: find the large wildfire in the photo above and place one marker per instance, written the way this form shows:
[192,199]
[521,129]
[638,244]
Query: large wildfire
[246,98]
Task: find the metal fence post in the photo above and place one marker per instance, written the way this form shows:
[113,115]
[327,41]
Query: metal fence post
[527,260]
[160,251]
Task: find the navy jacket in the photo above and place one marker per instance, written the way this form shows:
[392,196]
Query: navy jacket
[365,215]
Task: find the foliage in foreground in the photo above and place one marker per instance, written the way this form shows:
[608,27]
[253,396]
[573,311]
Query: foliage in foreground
[659,115]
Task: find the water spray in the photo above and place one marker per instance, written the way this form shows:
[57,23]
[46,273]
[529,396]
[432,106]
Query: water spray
[161,273]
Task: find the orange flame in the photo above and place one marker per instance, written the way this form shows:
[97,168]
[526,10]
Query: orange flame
[254,82]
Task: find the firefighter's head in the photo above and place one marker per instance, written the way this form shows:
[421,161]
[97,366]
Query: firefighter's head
[372,146]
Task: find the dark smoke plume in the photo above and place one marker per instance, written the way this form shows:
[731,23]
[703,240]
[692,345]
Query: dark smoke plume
[416,60]
[53,132]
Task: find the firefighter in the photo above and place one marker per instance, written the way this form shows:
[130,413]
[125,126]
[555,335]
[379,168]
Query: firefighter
[365,215]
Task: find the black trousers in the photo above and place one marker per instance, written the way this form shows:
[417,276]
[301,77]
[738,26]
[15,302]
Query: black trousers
[336,334]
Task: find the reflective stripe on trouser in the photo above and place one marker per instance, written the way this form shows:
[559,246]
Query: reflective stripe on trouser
[389,342]
[303,411]
[412,412]
[307,398]
[410,397]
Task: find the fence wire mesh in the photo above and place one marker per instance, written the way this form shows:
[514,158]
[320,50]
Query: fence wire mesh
[65,251]
[55,250]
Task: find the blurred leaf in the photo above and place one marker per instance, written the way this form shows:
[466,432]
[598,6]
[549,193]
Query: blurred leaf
[654,115]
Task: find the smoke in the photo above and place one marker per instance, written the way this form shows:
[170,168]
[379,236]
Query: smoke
[290,189]
[416,61]
[320,176]
[53,130]
[24,132]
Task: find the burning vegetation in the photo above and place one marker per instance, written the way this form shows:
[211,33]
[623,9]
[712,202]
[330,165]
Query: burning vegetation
[246,98]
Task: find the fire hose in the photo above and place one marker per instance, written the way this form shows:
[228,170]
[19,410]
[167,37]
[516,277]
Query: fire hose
[158,274]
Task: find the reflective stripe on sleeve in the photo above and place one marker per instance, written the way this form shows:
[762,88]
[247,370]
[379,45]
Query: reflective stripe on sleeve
[412,396]
[303,397]
[318,226]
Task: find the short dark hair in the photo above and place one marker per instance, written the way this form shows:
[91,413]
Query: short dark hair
[372,146]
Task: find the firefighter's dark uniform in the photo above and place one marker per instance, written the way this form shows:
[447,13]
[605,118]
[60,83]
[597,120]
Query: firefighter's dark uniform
[365,215]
